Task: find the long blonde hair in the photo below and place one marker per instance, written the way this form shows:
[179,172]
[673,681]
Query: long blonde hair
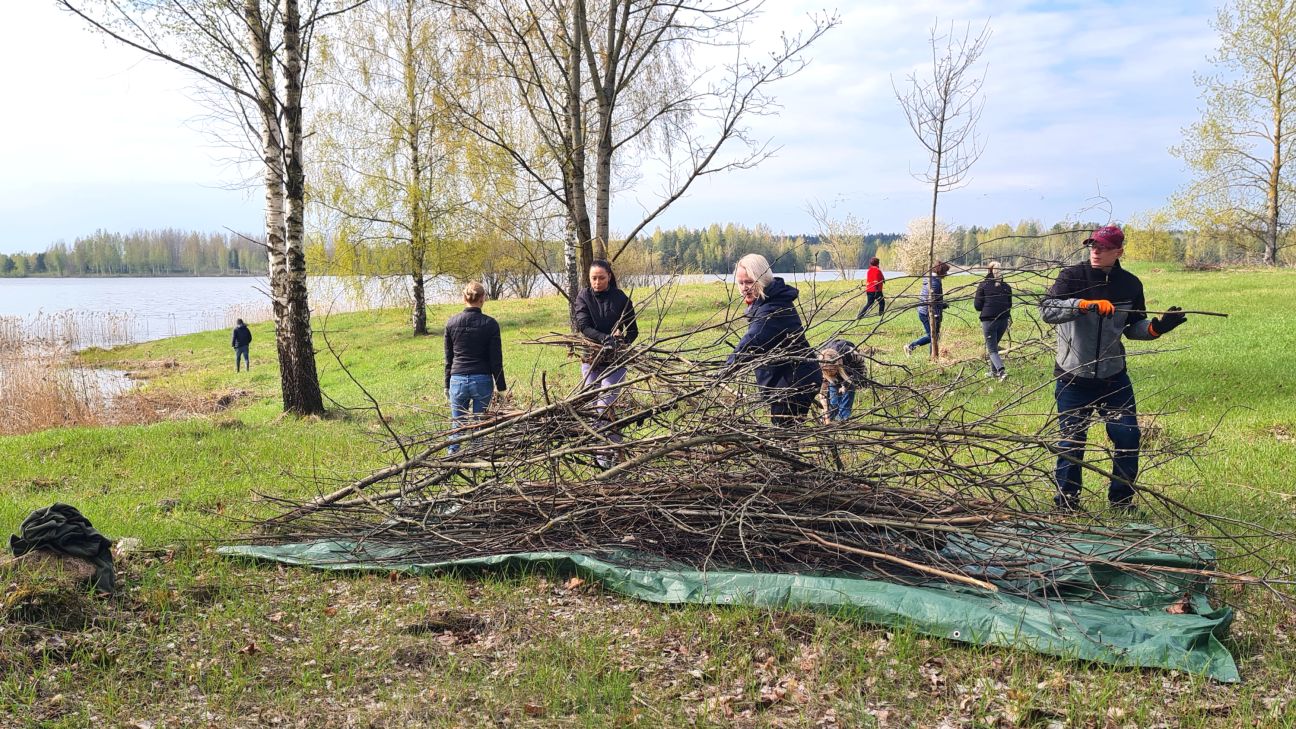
[758,267]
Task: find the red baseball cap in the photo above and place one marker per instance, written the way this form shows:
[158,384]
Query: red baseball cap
[1106,238]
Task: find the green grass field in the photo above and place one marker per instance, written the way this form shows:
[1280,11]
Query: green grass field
[195,640]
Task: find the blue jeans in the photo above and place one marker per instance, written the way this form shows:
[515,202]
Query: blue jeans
[840,405]
[994,331]
[926,337]
[470,395]
[241,354]
[1113,400]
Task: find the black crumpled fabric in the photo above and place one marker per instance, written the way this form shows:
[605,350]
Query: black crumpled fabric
[61,528]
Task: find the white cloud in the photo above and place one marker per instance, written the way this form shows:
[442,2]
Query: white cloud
[1078,95]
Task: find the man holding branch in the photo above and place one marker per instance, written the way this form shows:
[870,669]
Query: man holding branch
[1093,304]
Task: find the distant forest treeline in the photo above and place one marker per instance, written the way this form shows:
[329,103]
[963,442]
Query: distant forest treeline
[165,252]
[713,249]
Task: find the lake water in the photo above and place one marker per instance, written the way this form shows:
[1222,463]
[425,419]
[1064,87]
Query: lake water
[85,312]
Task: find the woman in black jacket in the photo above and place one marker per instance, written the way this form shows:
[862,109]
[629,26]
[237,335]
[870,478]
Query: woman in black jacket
[606,316]
[788,370]
[474,359]
[994,302]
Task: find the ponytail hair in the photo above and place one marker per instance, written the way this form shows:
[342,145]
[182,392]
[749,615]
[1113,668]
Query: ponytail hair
[606,266]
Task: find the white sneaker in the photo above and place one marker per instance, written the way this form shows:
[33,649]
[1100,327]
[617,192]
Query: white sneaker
[909,348]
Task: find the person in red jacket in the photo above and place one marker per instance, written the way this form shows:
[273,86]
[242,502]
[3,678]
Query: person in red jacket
[873,281]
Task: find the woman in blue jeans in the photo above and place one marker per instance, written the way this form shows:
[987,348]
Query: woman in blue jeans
[931,305]
[474,359]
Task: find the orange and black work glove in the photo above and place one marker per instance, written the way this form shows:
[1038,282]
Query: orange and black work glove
[1102,306]
[1173,317]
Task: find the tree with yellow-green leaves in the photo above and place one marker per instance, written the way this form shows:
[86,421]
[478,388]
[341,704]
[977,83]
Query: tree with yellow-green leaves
[1240,149]
[394,173]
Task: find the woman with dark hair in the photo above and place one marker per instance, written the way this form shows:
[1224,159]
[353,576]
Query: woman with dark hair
[788,370]
[606,316]
[931,305]
[993,301]
[873,280]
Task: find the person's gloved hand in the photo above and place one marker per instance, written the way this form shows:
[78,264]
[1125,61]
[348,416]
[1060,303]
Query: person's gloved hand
[1173,317]
[1102,306]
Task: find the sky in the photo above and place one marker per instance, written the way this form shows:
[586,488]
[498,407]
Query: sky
[1082,100]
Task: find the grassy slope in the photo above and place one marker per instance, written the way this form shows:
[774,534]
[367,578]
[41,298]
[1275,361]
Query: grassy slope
[195,640]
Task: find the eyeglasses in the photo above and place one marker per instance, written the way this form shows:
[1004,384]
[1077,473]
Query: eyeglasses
[1095,246]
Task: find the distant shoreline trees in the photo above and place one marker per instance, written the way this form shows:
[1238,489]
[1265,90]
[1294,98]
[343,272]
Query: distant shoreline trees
[712,249]
[164,252]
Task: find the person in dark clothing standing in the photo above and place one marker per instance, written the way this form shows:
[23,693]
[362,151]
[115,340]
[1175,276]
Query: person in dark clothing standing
[241,341]
[1093,304]
[873,281]
[931,305]
[788,373]
[605,315]
[993,301]
[474,359]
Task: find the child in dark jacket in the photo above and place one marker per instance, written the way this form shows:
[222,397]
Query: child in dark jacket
[844,370]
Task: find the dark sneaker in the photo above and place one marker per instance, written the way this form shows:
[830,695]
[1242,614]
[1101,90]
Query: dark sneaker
[1127,510]
[1066,503]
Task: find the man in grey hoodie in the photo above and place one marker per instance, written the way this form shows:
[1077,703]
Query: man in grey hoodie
[1093,304]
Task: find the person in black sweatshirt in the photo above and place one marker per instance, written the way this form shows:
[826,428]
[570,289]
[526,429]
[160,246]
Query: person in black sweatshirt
[241,340]
[993,301]
[474,359]
[605,315]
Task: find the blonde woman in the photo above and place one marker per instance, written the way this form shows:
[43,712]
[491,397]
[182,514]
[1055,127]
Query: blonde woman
[788,371]
[474,359]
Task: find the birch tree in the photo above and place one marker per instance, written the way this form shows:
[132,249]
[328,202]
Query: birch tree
[391,161]
[1240,151]
[252,56]
[943,104]
[613,81]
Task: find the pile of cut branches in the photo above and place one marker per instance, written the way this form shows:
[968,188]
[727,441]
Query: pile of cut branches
[686,469]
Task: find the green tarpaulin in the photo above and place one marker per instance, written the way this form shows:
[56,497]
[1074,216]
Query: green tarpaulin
[1096,613]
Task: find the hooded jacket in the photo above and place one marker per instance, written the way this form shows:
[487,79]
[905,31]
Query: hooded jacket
[1089,346]
[242,336]
[774,327]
